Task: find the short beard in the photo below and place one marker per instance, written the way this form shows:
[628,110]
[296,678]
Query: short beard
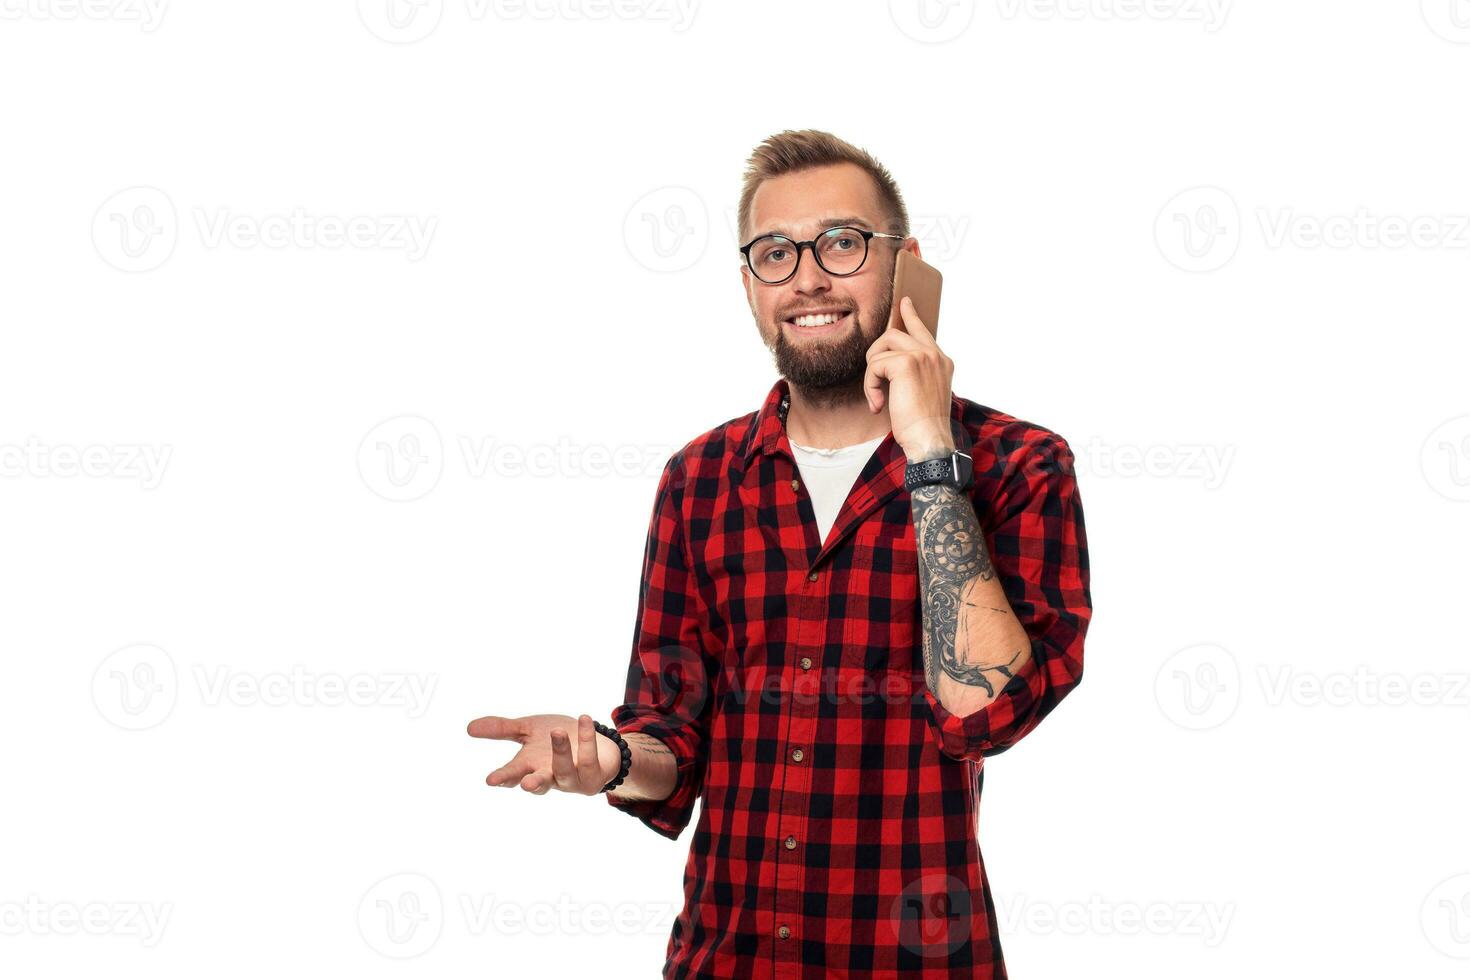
[830,374]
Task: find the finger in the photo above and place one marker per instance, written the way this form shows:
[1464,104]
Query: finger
[882,369]
[891,357]
[893,339]
[509,774]
[589,774]
[563,771]
[538,782]
[494,726]
[875,384]
[890,340]
[917,328]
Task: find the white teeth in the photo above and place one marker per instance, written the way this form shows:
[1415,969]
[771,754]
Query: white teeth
[816,321]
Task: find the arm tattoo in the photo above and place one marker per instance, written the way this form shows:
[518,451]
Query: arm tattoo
[644,747]
[952,558]
[646,744]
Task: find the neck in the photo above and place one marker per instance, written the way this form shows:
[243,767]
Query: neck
[830,419]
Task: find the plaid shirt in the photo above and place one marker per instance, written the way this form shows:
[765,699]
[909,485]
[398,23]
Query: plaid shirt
[838,835]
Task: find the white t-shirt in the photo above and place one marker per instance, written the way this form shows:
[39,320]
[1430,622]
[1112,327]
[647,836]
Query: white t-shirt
[829,475]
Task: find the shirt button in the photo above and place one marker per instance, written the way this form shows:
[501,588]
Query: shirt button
[812,577]
[784,932]
[797,755]
[795,484]
[791,843]
[806,663]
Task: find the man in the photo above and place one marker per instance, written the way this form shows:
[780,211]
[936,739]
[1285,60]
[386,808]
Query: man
[825,653]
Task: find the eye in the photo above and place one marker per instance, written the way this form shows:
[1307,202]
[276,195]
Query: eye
[841,240]
[771,251]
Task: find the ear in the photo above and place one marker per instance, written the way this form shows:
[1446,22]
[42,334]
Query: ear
[747,280]
[911,244]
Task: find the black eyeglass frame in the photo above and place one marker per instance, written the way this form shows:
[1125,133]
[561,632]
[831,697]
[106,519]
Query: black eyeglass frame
[867,236]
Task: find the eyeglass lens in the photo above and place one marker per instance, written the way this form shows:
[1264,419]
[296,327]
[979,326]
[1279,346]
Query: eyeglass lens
[839,250]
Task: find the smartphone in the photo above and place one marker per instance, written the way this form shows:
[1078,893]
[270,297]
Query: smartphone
[920,282]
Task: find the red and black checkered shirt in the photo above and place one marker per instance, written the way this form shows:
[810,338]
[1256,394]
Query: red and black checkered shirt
[838,833]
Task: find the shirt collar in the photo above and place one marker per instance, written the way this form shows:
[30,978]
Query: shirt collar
[770,421]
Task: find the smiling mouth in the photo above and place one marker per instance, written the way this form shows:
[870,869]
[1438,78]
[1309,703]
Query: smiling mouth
[818,323]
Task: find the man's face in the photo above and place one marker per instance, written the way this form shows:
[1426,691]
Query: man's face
[827,360]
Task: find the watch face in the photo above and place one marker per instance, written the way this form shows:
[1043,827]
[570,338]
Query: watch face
[967,472]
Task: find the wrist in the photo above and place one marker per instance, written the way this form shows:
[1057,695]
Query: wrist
[614,759]
[929,449]
[608,757]
[927,441]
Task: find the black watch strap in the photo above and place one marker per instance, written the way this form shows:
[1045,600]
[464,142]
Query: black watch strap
[954,469]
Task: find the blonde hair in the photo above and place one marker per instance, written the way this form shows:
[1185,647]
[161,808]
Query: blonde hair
[794,150]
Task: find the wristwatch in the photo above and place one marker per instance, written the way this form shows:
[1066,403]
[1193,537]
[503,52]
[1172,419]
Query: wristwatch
[956,470]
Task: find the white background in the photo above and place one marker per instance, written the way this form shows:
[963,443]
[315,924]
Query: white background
[1222,248]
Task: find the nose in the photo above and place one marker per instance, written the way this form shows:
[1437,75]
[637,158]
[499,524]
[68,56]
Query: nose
[810,276]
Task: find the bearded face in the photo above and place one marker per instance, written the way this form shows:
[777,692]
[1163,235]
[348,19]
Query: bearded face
[826,360]
[819,325]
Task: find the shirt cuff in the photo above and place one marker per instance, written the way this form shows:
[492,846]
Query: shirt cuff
[994,727]
[668,816]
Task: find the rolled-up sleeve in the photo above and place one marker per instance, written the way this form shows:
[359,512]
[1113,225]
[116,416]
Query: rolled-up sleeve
[1038,546]
[668,693]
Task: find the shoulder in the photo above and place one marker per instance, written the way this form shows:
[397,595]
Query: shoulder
[712,452]
[999,436]
[1014,459]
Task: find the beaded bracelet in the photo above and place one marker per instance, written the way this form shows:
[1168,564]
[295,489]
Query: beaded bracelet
[613,734]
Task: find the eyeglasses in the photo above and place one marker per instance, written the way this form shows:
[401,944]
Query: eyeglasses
[839,251]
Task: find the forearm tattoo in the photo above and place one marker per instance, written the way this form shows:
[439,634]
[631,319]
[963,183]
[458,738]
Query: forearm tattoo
[646,744]
[953,559]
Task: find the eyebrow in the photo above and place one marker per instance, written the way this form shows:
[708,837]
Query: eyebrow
[862,223]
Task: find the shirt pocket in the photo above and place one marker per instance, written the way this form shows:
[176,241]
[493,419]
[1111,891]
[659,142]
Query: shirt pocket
[882,624]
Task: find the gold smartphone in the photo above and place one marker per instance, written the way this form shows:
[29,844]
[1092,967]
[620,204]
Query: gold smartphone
[920,282]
